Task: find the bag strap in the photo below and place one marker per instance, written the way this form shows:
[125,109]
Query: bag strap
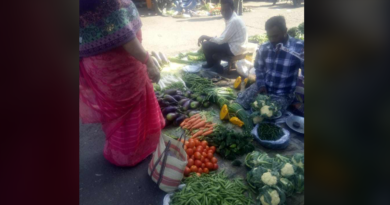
[182,134]
[165,154]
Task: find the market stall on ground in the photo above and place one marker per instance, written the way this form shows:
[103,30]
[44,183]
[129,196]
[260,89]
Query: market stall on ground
[233,155]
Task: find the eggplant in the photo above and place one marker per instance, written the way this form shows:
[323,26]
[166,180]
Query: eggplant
[169,109]
[194,104]
[200,98]
[171,92]
[194,95]
[177,97]
[178,92]
[186,105]
[169,98]
[167,122]
[188,94]
[179,120]
[164,103]
[192,113]
[172,116]
[182,101]
[157,93]
[206,104]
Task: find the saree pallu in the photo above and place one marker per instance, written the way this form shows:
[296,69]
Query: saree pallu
[115,90]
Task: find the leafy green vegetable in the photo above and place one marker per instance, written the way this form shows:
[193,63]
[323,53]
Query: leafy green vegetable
[260,39]
[176,85]
[287,186]
[269,132]
[230,144]
[298,160]
[213,188]
[256,159]
[299,181]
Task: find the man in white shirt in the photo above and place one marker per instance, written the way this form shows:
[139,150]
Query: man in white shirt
[232,41]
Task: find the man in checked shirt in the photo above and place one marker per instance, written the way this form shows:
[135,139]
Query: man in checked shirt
[276,69]
[231,42]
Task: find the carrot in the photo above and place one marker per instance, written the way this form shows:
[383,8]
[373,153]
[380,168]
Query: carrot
[198,125]
[192,120]
[196,116]
[199,133]
[207,133]
[209,125]
[184,122]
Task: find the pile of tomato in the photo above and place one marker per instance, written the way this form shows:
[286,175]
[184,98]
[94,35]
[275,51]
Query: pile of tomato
[200,157]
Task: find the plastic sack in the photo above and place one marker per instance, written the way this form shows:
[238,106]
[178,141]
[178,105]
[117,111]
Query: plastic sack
[279,144]
[169,79]
[167,198]
[243,67]
[192,68]
[168,163]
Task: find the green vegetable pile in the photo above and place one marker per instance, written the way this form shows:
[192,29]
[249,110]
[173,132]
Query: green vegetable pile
[213,189]
[260,39]
[272,179]
[269,132]
[297,32]
[230,144]
[176,85]
[197,83]
[192,57]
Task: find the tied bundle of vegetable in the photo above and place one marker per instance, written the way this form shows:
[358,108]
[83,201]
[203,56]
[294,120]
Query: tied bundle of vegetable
[213,188]
[237,110]
[198,125]
[230,144]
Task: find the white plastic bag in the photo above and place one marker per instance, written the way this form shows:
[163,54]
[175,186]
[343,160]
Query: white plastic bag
[192,68]
[167,197]
[244,67]
[169,79]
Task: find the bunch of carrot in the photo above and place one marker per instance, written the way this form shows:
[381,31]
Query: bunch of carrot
[197,126]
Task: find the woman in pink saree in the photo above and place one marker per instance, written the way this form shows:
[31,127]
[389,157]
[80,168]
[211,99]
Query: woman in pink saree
[116,76]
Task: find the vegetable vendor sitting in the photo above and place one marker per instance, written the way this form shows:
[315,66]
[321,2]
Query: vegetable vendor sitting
[232,41]
[276,69]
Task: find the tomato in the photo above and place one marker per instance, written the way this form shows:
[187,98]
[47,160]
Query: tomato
[209,165]
[200,170]
[210,151]
[214,160]
[196,142]
[203,165]
[191,140]
[199,148]
[204,154]
[204,144]
[190,144]
[207,147]
[193,157]
[197,155]
[182,141]
[190,162]
[186,143]
[185,147]
[213,148]
[205,170]
[215,166]
[210,155]
[194,168]
[198,163]
[198,174]
[190,151]
[206,160]
[187,171]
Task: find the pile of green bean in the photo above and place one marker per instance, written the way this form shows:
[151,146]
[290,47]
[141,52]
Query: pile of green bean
[269,132]
[197,83]
[213,189]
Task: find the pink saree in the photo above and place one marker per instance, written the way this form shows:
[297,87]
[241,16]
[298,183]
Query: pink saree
[115,90]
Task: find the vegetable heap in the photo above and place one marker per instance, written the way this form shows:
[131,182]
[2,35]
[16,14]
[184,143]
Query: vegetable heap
[297,32]
[260,39]
[188,58]
[236,114]
[269,132]
[213,188]
[230,144]
[200,157]
[275,178]
[198,126]
[264,107]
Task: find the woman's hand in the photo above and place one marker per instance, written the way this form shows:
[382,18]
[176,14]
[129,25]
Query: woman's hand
[153,71]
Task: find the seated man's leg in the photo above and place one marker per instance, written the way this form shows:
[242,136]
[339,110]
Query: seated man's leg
[208,50]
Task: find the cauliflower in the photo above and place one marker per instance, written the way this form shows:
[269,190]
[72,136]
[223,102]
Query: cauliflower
[257,120]
[287,170]
[269,179]
[275,198]
[255,104]
[298,160]
[265,110]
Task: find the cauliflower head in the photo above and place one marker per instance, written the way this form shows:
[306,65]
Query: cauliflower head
[265,110]
[298,160]
[275,198]
[269,179]
[255,104]
[287,170]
